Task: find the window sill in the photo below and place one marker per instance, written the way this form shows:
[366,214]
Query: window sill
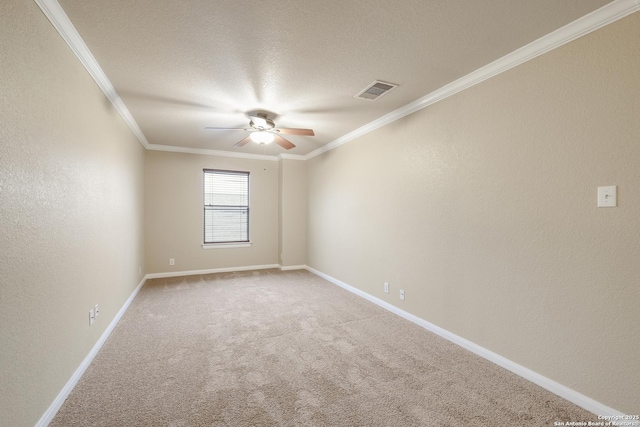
[226,245]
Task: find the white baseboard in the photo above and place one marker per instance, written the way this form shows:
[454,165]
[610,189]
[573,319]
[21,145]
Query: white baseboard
[292,267]
[51,412]
[544,382]
[68,387]
[210,271]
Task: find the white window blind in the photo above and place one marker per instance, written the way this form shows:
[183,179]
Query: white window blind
[226,206]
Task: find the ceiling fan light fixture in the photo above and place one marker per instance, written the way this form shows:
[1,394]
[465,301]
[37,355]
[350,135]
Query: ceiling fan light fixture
[262,137]
[266,135]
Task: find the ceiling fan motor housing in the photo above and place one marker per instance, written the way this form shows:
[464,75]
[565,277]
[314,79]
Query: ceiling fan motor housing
[263,123]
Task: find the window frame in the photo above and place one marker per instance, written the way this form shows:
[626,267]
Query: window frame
[225,244]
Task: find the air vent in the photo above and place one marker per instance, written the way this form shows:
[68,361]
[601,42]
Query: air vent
[375,90]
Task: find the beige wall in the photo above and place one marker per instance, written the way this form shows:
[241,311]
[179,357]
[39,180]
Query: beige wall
[293,212]
[71,212]
[483,208]
[280,202]
[174,213]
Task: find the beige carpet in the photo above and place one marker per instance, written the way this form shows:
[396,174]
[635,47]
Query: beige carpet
[266,348]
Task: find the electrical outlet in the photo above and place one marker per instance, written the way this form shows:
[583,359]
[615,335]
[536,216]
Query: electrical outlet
[91,317]
[402,294]
[386,288]
[96,310]
[172,261]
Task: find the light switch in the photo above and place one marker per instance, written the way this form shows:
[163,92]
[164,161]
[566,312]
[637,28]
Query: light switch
[608,197]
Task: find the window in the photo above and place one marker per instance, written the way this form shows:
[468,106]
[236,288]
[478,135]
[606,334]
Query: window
[226,206]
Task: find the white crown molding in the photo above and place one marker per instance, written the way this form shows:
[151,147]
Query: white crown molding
[526,373]
[51,412]
[599,18]
[291,156]
[207,152]
[61,22]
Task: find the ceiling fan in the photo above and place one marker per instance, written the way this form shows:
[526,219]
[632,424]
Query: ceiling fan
[264,131]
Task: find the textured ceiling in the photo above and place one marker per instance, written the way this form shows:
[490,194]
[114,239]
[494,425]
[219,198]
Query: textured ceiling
[182,65]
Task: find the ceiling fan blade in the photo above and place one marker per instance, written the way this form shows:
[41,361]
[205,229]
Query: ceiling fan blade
[242,142]
[209,127]
[287,145]
[292,131]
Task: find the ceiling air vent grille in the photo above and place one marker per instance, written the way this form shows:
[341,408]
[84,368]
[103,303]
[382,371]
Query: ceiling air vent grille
[375,90]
